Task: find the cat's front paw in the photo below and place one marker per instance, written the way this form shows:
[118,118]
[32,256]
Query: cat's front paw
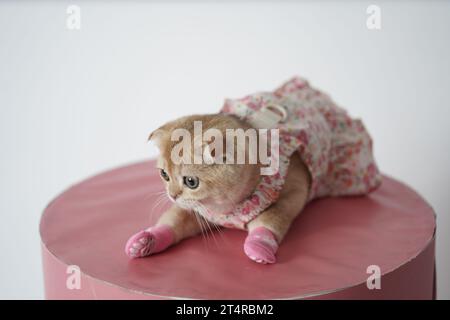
[150,241]
[261,246]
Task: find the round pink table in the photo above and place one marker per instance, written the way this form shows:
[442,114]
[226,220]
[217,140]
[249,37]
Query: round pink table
[326,254]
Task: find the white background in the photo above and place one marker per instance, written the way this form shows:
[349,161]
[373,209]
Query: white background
[73,103]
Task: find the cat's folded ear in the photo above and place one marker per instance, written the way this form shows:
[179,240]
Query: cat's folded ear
[158,137]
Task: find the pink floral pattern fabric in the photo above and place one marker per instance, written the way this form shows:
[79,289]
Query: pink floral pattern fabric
[336,148]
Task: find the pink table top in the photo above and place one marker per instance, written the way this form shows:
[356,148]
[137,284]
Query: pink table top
[328,248]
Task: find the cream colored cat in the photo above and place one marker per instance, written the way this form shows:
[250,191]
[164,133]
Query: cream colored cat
[206,191]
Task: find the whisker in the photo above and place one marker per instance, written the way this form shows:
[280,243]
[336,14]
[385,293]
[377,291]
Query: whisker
[157,202]
[151,194]
[201,227]
[219,231]
[212,233]
[161,199]
[202,221]
[202,207]
[218,228]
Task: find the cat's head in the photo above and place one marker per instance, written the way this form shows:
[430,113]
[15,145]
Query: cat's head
[216,187]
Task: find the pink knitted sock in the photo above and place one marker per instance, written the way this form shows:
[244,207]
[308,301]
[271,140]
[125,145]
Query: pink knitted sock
[150,241]
[261,245]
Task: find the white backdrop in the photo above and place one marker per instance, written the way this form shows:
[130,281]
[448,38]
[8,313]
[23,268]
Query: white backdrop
[76,102]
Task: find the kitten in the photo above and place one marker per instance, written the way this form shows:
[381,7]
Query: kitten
[224,194]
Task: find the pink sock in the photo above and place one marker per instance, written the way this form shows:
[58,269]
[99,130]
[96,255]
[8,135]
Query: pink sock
[261,245]
[150,241]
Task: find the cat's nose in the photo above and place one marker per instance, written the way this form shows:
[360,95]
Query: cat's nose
[174,196]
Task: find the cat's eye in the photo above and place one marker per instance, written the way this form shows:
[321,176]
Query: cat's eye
[191,182]
[164,174]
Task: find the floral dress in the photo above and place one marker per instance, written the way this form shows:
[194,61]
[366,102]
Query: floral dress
[336,148]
